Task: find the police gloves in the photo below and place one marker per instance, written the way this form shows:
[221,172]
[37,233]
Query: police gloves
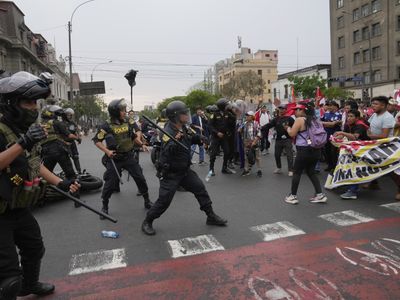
[65,184]
[34,135]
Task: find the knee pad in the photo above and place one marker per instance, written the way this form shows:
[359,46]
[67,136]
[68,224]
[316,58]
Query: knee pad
[10,287]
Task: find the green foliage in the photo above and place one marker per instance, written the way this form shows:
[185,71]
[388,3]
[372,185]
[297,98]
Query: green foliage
[306,86]
[337,93]
[243,85]
[89,107]
[163,104]
[151,113]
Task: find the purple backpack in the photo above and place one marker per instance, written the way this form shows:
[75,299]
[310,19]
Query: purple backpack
[317,137]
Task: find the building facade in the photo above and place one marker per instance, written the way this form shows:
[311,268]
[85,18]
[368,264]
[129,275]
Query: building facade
[263,62]
[23,50]
[365,46]
[281,88]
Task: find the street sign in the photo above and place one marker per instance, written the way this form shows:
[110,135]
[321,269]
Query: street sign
[92,88]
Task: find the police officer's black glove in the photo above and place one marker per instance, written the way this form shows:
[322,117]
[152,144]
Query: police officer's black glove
[34,135]
[65,184]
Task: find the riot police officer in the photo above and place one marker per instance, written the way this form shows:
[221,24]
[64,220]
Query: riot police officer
[221,126]
[20,169]
[120,135]
[54,148]
[174,169]
[71,125]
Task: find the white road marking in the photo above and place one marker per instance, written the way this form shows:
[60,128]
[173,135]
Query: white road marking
[194,246]
[97,261]
[277,230]
[346,218]
[393,206]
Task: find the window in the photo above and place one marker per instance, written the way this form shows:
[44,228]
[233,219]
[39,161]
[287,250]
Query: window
[269,81]
[266,55]
[357,58]
[376,29]
[365,10]
[339,3]
[366,55]
[398,23]
[356,36]
[365,33]
[366,77]
[259,72]
[341,62]
[398,72]
[357,78]
[376,53]
[356,14]
[274,93]
[341,44]
[377,75]
[398,48]
[286,92]
[269,91]
[375,6]
[340,22]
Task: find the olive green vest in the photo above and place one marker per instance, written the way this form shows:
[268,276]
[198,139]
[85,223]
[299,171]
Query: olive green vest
[22,198]
[51,132]
[123,137]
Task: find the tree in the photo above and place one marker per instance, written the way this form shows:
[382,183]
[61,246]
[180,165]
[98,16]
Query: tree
[163,104]
[151,113]
[306,86]
[243,85]
[337,93]
[199,98]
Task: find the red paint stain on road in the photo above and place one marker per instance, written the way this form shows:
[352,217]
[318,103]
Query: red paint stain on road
[359,262]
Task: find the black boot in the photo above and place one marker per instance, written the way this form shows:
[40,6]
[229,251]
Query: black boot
[226,171]
[147,227]
[147,203]
[30,282]
[104,209]
[214,219]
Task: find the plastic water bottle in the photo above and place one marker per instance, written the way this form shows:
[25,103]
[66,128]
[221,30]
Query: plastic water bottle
[208,177]
[110,234]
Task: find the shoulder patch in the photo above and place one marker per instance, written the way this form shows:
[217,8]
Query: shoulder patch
[131,121]
[212,116]
[101,134]
[165,138]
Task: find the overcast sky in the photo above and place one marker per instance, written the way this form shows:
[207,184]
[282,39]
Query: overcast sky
[172,42]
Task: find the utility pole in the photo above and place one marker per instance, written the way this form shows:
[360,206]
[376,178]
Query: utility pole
[70,61]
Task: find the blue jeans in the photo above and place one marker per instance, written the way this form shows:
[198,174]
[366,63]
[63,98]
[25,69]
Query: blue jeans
[354,188]
[201,152]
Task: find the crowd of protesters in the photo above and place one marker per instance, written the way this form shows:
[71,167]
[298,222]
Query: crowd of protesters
[244,135]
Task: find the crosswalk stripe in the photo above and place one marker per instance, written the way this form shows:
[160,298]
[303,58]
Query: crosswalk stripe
[346,218]
[270,232]
[393,206]
[194,246]
[97,261]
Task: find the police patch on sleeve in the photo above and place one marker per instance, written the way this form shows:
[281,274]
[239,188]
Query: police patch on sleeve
[165,138]
[101,134]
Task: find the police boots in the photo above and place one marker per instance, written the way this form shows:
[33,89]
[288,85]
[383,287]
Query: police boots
[214,219]
[31,284]
[104,209]
[147,203]
[147,227]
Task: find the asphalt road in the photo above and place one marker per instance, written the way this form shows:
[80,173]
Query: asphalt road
[246,202]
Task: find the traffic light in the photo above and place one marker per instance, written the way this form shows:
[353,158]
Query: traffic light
[131,76]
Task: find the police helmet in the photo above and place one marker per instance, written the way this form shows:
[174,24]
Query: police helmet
[69,111]
[20,86]
[174,109]
[51,111]
[222,104]
[115,107]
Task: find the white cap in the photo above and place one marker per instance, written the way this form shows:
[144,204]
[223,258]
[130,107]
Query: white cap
[250,113]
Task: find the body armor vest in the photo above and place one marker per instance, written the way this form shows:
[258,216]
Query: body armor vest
[51,132]
[19,183]
[123,137]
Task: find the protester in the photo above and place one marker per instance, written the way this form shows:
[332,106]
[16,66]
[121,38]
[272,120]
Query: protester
[251,137]
[307,156]
[262,117]
[283,140]
[355,129]
[382,125]
[332,122]
[199,124]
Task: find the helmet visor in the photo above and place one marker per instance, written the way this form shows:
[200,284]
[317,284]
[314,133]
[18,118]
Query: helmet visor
[11,84]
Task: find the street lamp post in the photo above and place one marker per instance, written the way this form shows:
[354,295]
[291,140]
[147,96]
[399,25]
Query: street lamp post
[70,48]
[95,67]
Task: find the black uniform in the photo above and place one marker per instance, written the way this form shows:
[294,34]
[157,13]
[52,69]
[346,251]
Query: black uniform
[55,150]
[73,128]
[119,136]
[223,122]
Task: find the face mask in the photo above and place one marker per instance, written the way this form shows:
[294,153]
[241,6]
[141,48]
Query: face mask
[28,118]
